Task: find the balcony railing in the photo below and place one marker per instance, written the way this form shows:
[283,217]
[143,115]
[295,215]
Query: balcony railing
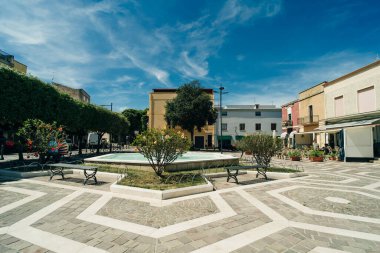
[309,120]
[287,123]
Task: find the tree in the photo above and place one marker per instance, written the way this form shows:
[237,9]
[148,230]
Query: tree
[263,147]
[161,147]
[138,120]
[41,137]
[192,108]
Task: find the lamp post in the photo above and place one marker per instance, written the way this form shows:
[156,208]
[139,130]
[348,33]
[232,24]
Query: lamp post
[221,88]
[110,105]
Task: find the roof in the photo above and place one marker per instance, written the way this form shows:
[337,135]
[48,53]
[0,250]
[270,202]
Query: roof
[353,73]
[291,103]
[209,91]
[324,82]
[249,107]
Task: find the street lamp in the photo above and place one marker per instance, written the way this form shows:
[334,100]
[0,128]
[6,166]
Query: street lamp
[221,92]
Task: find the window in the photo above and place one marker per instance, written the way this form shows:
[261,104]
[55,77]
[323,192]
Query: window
[311,113]
[289,116]
[242,127]
[273,126]
[366,100]
[224,113]
[258,127]
[224,126]
[339,106]
[258,113]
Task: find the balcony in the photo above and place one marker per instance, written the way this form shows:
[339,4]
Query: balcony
[310,120]
[287,123]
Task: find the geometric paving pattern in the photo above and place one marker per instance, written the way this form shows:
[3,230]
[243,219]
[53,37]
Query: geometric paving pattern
[334,209]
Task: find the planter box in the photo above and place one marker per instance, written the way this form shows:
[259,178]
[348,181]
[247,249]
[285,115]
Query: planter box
[295,158]
[158,194]
[316,159]
[19,174]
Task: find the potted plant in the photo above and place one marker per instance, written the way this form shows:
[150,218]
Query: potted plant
[295,155]
[316,156]
[333,155]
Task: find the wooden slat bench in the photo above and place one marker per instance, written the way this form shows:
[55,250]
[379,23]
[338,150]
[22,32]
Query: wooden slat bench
[233,171]
[57,169]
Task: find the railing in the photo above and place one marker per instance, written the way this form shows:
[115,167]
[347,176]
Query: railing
[309,120]
[286,123]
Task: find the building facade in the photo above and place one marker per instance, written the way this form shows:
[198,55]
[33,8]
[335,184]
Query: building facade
[156,113]
[311,116]
[242,120]
[78,94]
[352,106]
[9,60]
[290,115]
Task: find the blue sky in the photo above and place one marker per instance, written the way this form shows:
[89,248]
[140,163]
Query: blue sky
[260,51]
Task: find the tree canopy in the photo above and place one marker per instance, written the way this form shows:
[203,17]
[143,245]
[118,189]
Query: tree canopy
[192,108]
[138,120]
[25,97]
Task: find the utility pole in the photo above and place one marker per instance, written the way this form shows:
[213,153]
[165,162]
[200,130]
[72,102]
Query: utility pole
[221,88]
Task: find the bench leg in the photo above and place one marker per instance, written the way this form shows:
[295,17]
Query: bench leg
[89,176]
[232,175]
[56,171]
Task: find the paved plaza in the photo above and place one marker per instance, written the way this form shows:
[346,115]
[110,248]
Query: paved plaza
[335,209]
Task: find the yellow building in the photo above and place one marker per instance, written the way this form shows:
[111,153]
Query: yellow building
[9,60]
[157,102]
[311,115]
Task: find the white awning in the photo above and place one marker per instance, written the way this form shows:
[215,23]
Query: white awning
[350,124]
[283,135]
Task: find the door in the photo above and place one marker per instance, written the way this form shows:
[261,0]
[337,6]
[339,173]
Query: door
[199,142]
[209,140]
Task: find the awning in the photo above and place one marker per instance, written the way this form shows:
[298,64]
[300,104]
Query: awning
[283,135]
[239,137]
[350,124]
[291,135]
[225,137]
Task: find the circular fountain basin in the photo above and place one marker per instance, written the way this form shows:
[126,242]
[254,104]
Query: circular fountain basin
[188,161]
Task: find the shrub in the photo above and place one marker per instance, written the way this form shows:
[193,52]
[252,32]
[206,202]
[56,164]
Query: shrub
[263,147]
[316,153]
[294,153]
[161,147]
[41,137]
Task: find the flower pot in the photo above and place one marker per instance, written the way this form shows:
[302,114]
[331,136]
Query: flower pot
[295,158]
[248,153]
[316,159]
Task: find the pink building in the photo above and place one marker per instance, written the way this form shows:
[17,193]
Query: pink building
[290,115]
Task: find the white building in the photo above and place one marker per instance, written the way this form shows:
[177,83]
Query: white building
[241,120]
[352,105]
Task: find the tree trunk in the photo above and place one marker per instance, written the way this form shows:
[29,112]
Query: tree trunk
[100,135]
[80,144]
[110,143]
[20,153]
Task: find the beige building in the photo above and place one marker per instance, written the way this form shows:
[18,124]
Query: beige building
[9,60]
[157,102]
[311,115]
[352,104]
[78,94]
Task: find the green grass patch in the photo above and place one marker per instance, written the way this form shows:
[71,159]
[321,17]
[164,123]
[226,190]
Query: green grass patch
[149,180]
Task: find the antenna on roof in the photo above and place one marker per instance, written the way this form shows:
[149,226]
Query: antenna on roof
[52,79]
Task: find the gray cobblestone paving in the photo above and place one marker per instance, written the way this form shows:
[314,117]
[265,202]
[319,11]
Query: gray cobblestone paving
[53,194]
[145,214]
[8,197]
[63,222]
[10,244]
[303,241]
[316,199]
